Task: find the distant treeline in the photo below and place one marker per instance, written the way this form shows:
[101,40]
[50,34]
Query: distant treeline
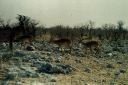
[105,32]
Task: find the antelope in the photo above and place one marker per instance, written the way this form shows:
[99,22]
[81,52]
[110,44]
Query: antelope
[25,39]
[63,42]
[91,45]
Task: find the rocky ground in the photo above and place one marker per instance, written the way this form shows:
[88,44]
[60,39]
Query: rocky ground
[44,64]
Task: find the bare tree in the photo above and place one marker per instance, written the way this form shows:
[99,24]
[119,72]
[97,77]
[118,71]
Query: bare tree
[27,24]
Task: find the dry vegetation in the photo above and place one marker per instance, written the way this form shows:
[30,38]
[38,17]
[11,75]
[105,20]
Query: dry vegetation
[98,55]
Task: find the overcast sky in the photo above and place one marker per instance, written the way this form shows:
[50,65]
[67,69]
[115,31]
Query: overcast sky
[67,12]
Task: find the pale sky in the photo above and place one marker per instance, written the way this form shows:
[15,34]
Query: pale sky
[67,12]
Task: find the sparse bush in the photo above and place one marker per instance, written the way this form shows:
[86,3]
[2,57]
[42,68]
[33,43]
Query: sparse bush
[53,69]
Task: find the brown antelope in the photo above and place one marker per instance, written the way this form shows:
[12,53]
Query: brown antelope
[25,40]
[64,42]
[91,45]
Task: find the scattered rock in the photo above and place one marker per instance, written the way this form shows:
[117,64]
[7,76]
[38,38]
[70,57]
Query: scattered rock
[110,54]
[110,66]
[18,83]
[120,62]
[58,61]
[6,56]
[113,83]
[49,59]
[30,48]
[122,70]
[19,53]
[53,80]
[3,45]
[42,61]
[11,75]
[80,54]
[107,48]
[78,61]
[38,64]
[88,70]
[117,74]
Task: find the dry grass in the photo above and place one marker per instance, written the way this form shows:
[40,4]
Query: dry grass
[99,75]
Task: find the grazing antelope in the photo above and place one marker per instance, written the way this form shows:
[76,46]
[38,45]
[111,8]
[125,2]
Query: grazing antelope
[64,42]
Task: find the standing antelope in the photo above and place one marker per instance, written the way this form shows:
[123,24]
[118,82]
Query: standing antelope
[91,45]
[25,39]
[64,42]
